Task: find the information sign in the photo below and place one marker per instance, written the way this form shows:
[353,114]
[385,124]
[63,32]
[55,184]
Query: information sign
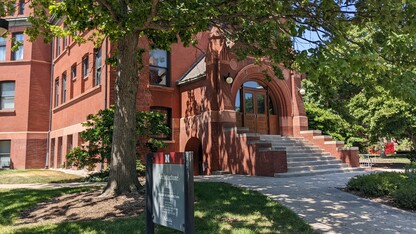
[169,191]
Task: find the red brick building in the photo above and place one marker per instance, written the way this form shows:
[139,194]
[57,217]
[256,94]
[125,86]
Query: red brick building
[25,76]
[217,106]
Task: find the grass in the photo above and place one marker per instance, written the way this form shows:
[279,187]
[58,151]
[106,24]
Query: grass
[36,176]
[14,201]
[391,160]
[219,208]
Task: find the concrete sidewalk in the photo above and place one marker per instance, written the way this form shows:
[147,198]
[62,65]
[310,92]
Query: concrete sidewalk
[327,209]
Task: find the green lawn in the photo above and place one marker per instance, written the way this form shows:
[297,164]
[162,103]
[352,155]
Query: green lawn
[14,201]
[35,176]
[219,208]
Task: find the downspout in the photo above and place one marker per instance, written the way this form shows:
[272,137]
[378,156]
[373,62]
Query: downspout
[105,87]
[106,74]
[50,109]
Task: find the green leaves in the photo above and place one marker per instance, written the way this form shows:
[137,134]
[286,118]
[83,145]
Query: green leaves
[98,137]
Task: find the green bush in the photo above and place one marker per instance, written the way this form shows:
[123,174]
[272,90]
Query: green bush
[405,197]
[101,176]
[377,184]
[98,137]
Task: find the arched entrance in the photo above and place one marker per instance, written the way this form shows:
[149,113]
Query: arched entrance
[194,145]
[256,109]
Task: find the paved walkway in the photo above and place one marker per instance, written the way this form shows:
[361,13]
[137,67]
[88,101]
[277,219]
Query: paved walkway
[318,200]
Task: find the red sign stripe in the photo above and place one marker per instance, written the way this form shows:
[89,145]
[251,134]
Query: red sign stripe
[168,158]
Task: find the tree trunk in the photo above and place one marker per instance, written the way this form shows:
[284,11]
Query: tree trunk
[123,176]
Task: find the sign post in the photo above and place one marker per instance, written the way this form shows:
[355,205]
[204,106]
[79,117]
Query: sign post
[170,191]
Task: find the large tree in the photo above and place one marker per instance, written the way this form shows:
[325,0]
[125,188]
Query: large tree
[259,28]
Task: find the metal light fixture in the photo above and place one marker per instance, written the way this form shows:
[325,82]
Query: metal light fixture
[4,26]
[228,79]
[302,91]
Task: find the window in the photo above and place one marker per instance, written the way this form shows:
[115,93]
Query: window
[58,47]
[85,66]
[73,78]
[168,120]
[63,87]
[2,49]
[65,42]
[74,72]
[159,67]
[5,153]
[17,39]
[98,68]
[7,89]
[21,10]
[65,39]
[56,92]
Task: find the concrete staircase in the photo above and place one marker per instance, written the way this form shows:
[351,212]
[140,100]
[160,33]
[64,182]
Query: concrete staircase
[303,158]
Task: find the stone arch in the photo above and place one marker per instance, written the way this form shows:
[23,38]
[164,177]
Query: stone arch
[280,92]
[195,145]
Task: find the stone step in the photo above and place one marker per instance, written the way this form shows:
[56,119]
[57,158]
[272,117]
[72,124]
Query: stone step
[305,151]
[280,137]
[315,167]
[288,144]
[306,155]
[310,158]
[318,172]
[315,162]
[302,146]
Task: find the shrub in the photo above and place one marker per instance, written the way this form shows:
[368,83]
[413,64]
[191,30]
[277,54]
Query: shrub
[98,137]
[101,176]
[378,184]
[405,197]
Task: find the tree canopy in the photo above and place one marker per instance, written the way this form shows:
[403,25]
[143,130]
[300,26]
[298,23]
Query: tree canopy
[258,28]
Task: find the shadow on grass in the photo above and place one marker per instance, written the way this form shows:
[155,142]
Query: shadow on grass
[219,208]
[15,201]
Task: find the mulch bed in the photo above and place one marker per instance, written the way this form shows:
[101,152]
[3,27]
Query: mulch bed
[84,206]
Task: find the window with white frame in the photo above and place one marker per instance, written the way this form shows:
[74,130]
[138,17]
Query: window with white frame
[5,153]
[7,93]
[2,49]
[57,92]
[58,47]
[17,40]
[159,67]
[74,72]
[98,68]
[85,66]
[63,88]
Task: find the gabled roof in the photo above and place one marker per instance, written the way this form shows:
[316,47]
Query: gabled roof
[196,72]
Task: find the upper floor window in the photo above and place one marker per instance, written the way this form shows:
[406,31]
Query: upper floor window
[2,49]
[159,67]
[21,9]
[74,72]
[7,89]
[65,42]
[64,87]
[17,39]
[85,66]
[56,92]
[58,47]
[98,68]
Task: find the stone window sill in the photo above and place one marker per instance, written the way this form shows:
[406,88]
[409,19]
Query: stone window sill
[7,112]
